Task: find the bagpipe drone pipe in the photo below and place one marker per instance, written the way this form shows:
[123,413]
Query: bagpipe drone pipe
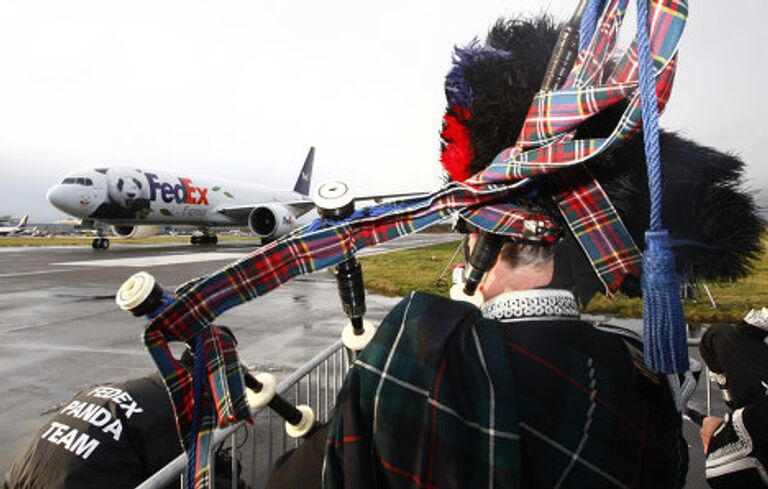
[142,296]
[548,146]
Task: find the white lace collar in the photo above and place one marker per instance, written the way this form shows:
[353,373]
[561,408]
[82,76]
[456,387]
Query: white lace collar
[531,303]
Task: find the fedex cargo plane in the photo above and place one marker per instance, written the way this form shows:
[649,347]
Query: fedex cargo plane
[136,202]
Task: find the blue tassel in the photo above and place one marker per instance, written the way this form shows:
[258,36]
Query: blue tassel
[666,342]
[664,334]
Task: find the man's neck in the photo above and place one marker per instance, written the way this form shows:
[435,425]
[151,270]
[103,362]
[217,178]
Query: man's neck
[528,277]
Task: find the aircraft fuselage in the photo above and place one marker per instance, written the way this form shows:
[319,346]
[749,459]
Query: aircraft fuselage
[129,196]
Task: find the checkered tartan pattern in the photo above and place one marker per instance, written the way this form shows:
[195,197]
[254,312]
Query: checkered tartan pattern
[591,62]
[223,399]
[443,397]
[325,243]
[320,245]
[546,143]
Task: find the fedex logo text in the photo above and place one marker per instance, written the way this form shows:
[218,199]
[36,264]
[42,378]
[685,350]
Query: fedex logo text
[181,193]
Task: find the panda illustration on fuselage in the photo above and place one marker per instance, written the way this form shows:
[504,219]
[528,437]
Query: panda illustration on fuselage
[130,189]
[127,194]
[126,187]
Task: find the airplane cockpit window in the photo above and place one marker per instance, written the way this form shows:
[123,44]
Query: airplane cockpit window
[86,182]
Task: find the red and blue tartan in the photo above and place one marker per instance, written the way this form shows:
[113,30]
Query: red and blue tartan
[546,143]
[480,403]
[224,399]
[545,146]
[308,250]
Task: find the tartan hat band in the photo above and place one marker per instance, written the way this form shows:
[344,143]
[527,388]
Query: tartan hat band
[514,222]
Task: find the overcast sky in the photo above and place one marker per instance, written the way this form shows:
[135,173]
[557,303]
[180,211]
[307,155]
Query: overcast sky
[241,89]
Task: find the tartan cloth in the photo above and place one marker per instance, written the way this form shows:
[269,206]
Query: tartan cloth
[223,397]
[317,247]
[325,243]
[444,398]
[597,227]
[546,142]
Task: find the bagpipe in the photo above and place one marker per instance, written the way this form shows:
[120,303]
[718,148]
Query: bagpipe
[584,78]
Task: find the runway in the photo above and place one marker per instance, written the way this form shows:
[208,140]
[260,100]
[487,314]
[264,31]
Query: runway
[61,331]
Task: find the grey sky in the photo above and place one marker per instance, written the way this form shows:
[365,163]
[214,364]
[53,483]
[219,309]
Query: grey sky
[241,89]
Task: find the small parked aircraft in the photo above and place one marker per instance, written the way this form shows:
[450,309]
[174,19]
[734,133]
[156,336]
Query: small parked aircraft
[8,230]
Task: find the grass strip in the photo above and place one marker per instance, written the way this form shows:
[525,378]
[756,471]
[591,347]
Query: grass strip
[399,272]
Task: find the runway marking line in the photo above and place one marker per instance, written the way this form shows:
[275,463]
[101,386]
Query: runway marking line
[156,261]
[181,258]
[38,272]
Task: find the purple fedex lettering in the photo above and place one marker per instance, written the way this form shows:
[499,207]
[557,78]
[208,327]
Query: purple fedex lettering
[167,192]
[154,185]
[182,193]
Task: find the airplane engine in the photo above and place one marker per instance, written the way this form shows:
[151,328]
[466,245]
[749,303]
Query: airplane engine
[136,232]
[271,221]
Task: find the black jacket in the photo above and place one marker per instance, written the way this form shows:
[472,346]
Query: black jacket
[111,436]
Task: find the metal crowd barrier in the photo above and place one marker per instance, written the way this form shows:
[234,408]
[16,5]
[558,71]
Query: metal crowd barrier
[705,377]
[255,448]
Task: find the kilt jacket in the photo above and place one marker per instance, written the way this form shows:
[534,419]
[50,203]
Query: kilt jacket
[521,394]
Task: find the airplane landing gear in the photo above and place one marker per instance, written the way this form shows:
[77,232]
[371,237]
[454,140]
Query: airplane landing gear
[100,243]
[204,239]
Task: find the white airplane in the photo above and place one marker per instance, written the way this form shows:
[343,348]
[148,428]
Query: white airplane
[136,203]
[8,230]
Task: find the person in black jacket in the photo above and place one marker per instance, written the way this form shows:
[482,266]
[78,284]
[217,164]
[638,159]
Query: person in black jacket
[108,436]
[112,435]
[737,445]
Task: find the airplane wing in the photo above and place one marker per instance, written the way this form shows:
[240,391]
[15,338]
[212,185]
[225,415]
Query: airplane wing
[241,212]
[381,198]
[300,207]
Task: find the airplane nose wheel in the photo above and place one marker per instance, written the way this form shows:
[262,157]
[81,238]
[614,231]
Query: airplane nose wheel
[100,243]
[204,239]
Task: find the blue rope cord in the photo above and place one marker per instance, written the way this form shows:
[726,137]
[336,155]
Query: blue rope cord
[198,378]
[650,108]
[589,22]
[664,332]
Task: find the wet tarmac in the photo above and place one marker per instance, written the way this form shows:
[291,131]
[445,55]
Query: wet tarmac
[61,331]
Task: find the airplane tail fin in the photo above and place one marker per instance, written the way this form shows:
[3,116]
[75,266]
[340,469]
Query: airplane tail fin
[23,221]
[305,177]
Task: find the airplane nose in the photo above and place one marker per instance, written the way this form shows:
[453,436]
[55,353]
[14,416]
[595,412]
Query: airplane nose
[56,197]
